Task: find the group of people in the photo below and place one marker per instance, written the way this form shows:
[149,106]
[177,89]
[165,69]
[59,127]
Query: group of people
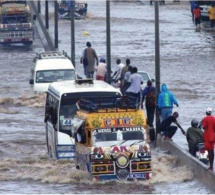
[196,14]
[130,84]
[195,136]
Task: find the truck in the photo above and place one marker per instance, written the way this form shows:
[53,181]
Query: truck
[15,22]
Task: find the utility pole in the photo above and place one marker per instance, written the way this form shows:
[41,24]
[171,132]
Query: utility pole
[73,32]
[47,14]
[108,42]
[157,62]
[56,24]
[38,7]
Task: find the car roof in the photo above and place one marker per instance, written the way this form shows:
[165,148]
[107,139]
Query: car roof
[53,64]
[59,88]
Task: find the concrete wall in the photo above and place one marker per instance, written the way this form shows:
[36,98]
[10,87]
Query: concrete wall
[198,168]
[44,34]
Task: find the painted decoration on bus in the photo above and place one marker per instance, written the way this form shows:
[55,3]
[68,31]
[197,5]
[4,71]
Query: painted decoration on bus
[119,149]
[116,120]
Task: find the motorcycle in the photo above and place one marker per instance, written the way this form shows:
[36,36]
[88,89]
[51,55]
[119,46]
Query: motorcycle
[202,154]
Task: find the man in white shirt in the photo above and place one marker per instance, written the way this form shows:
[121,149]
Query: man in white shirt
[135,81]
[117,73]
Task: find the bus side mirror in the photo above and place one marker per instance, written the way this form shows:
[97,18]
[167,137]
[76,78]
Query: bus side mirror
[31,81]
[34,17]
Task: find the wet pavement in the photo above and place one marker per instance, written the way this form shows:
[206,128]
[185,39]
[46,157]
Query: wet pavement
[187,67]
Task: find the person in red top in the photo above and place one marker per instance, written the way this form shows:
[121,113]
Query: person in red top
[208,124]
[197,16]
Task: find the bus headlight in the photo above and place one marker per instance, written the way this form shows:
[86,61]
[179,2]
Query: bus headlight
[122,161]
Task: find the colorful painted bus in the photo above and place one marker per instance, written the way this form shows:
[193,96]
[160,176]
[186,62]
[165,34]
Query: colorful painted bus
[112,139]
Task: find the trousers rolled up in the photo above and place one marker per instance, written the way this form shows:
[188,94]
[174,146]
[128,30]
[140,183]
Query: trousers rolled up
[170,131]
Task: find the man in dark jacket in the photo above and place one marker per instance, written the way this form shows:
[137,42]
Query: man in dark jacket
[149,95]
[167,130]
[194,136]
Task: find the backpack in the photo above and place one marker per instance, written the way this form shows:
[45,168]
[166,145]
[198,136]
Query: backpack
[151,98]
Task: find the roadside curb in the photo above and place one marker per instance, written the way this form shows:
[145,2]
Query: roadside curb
[44,34]
[198,168]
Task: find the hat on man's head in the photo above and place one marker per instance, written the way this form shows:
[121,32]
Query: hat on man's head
[88,44]
[209,110]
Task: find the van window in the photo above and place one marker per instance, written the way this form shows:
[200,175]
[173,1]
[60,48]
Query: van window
[47,76]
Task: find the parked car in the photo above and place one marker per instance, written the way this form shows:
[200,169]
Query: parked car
[146,77]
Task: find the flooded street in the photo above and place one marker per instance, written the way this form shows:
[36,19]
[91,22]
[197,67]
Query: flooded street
[187,67]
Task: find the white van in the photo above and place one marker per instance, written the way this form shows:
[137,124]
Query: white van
[61,107]
[50,67]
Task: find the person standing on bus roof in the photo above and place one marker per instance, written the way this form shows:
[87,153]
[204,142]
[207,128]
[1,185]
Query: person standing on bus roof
[211,12]
[89,57]
[197,16]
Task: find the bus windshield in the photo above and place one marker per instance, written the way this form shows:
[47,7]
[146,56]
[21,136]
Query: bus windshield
[115,134]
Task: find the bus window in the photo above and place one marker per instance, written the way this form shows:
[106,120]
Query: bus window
[51,110]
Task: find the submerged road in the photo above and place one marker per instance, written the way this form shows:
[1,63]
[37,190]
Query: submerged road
[186,67]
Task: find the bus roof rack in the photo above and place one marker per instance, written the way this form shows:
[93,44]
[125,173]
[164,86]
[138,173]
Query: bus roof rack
[52,55]
[95,104]
[83,81]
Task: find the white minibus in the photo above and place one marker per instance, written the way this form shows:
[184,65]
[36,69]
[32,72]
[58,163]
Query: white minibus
[61,107]
[50,67]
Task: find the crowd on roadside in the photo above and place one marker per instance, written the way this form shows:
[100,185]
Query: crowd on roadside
[196,14]
[128,80]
